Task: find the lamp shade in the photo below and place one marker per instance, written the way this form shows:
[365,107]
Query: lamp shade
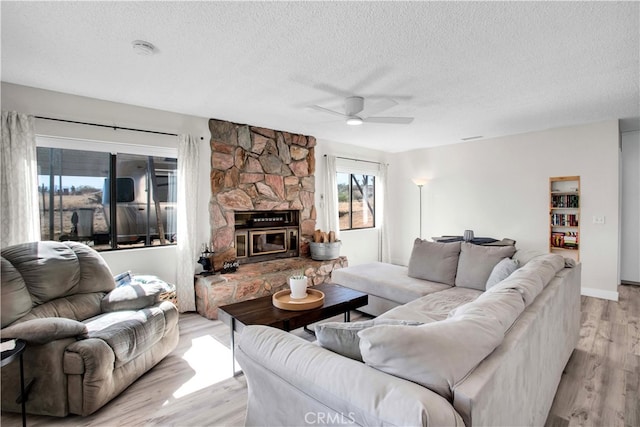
[419,181]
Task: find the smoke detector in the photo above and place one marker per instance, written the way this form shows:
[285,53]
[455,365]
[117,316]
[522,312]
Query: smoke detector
[142,47]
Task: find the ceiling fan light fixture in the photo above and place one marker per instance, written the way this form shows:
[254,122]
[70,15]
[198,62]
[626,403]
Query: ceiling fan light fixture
[354,121]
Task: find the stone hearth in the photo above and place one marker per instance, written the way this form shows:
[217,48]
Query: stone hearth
[260,169]
[258,280]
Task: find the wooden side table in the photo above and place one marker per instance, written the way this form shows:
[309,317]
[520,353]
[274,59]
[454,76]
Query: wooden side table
[9,356]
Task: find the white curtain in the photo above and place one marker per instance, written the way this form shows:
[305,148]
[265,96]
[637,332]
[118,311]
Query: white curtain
[331,218]
[382,209]
[186,230]
[19,210]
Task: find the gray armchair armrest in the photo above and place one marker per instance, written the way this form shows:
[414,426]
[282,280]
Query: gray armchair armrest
[294,382]
[44,330]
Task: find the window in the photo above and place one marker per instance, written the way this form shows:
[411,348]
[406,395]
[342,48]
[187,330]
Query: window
[75,189]
[356,200]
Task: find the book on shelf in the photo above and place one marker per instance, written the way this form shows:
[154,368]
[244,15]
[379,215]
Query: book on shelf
[568,240]
[564,220]
[565,201]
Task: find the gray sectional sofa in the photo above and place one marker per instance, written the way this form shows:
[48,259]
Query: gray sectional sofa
[446,354]
[86,339]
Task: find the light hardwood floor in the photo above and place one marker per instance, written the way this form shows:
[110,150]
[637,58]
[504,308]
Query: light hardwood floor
[192,386]
[599,386]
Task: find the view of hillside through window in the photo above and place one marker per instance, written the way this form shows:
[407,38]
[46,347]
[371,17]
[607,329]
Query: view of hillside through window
[356,200]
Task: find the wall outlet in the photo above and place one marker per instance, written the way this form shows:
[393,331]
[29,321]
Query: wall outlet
[598,219]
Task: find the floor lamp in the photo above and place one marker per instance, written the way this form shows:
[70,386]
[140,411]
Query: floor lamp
[420,182]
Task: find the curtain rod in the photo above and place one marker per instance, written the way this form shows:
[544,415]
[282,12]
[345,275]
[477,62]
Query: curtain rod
[106,126]
[357,160]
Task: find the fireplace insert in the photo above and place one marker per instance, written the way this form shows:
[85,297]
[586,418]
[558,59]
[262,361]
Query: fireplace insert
[265,235]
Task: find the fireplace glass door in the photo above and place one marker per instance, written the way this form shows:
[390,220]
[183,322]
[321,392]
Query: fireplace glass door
[267,242]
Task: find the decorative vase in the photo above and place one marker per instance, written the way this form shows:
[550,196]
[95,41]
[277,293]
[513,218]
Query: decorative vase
[468,235]
[298,286]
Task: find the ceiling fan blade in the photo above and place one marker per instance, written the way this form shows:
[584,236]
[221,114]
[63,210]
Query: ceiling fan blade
[375,107]
[389,120]
[324,87]
[326,110]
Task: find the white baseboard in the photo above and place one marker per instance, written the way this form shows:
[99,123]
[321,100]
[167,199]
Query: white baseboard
[599,293]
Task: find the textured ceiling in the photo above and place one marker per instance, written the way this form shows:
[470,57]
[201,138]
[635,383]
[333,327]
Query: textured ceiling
[461,69]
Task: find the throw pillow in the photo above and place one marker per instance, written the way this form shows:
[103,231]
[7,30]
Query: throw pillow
[131,297]
[342,338]
[434,261]
[501,271]
[476,264]
[47,329]
[435,355]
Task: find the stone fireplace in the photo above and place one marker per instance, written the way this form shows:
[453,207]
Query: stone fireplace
[258,169]
[262,213]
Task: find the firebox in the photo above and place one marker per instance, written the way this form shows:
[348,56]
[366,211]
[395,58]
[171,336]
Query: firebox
[265,235]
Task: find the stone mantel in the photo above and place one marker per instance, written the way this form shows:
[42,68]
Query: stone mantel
[258,280]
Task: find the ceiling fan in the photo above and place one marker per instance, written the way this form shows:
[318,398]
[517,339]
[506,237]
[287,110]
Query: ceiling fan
[356,114]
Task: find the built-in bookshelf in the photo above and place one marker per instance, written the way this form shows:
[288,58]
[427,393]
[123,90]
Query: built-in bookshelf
[564,216]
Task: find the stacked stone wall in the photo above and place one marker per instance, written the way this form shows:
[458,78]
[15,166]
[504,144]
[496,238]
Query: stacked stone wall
[260,169]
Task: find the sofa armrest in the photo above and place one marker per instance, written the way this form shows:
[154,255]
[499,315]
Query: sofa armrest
[314,383]
[91,357]
[43,364]
[45,330]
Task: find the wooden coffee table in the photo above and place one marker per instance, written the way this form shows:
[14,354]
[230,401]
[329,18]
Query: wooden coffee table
[261,311]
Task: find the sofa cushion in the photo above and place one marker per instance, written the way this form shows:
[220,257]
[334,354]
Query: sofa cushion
[50,269]
[501,271]
[432,307]
[504,305]
[95,275]
[42,331]
[131,297]
[15,298]
[386,281]
[476,263]
[434,261]
[435,355]
[548,265]
[531,278]
[77,307]
[342,338]
[527,280]
[128,333]
[523,256]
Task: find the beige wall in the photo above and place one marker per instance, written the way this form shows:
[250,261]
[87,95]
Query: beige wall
[499,188]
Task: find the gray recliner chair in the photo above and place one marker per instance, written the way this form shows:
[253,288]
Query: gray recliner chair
[86,339]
